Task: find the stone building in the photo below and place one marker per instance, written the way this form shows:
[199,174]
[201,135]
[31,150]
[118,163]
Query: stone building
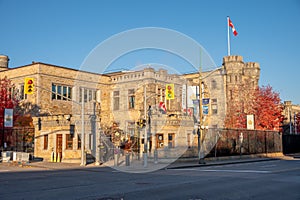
[123,98]
[290,122]
[56,103]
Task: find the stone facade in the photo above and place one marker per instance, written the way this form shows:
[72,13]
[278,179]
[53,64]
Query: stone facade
[120,97]
[290,110]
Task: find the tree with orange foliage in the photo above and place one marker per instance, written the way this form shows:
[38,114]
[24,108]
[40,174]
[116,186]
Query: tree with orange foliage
[7,100]
[268,109]
[263,103]
[297,122]
[241,104]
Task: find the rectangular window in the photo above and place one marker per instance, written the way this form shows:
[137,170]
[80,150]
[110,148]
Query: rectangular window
[171,140]
[45,142]
[90,142]
[88,95]
[65,93]
[130,128]
[69,141]
[214,106]
[78,142]
[131,98]
[159,140]
[61,92]
[189,140]
[59,95]
[22,93]
[116,99]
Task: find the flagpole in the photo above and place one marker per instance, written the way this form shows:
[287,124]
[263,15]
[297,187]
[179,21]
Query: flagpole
[228,37]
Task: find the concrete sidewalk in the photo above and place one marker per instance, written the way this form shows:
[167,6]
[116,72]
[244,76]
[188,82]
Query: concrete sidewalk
[137,166]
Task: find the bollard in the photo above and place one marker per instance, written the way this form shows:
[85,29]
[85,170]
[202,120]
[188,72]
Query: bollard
[145,159]
[58,157]
[127,159]
[54,157]
[116,160]
[155,156]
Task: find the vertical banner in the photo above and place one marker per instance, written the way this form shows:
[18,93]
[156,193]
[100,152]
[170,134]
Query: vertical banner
[205,101]
[8,117]
[205,110]
[184,97]
[250,122]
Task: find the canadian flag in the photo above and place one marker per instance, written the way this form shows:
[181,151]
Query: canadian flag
[232,27]
[162,106]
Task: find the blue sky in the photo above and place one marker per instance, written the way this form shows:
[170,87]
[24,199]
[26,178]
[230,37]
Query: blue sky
[65,32]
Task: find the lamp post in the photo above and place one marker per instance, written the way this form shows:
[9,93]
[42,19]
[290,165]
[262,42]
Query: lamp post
[145,153]
[83,160]
[200,132]
[200,125]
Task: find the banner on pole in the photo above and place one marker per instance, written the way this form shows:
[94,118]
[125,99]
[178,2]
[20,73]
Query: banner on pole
[184,97]
[8,117]
[250,122]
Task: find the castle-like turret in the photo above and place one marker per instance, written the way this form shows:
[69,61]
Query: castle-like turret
[239,72]
[3,62]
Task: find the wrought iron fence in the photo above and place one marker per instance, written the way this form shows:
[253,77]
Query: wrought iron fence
[19,139]
[241,141]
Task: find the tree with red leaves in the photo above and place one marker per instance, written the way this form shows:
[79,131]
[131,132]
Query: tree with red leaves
[268,109]
[240,104]
[7,97]
[263,103]
[8,100]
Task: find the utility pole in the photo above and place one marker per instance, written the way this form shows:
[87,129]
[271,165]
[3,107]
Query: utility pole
[200,131]
[83,156]
[145,155]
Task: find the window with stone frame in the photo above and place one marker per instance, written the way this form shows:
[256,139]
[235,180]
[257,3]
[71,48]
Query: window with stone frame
[159,140]
[78,142]
[22,94]
[131,99]
[45,142]
[61,92]
[89,95]
[171,140]
[116,100]
[214,106]
[188,140]
[161,94]
[69,141]
[131,128]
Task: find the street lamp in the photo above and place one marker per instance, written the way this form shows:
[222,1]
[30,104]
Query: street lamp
[199,132]
[145,153]
[200,125]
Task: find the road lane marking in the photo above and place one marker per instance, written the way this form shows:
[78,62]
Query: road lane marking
[235,171]
[226,170]
[267,166]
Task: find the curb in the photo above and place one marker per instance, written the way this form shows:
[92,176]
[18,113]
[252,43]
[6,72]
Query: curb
[222,163]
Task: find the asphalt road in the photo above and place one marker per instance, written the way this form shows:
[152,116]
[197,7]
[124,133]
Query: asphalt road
[277,179]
